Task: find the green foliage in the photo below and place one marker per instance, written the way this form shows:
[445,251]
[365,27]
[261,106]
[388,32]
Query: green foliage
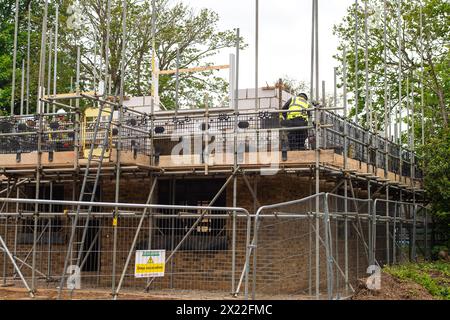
[436,155]
[6,45]
[435,55]
[432,48]
[196,34]
[435,277]
[66,57]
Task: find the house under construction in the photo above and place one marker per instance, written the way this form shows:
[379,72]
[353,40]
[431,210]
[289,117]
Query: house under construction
[239,204]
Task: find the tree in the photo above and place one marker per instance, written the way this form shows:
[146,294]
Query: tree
[437,181]
[195,34]
[66,57]
[7,10]
[434,52]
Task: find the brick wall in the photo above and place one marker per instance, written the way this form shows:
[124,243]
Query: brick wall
[283,254]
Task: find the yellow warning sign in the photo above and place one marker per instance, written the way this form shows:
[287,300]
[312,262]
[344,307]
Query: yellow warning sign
[149,263]
[148,268]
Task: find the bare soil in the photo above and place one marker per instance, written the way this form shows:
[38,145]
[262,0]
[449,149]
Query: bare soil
[17,293]
[392,288]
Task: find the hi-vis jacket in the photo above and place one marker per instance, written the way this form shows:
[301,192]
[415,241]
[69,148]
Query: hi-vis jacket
[297,105]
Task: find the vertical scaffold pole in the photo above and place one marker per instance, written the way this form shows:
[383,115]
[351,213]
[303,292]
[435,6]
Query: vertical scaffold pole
[49,238]
[408,106]
[233,258]
[400,79]
[77,111]
[154,89]
[177,81]
[345,168]
[39,146]
[317,142]
[22,87]
[366,61]
[335,88]
[334,104]
[311,89]
[324,100]
[55,62]
[28,60]
[236,82]
[257,104]
[256,53]
[413,171]
[42,58]
[5,206]
[49,68]
[386,126]
[16,29]
[356,61]
[422,105]
[119,142]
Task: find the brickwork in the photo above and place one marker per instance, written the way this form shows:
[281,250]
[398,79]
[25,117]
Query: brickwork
[283,254]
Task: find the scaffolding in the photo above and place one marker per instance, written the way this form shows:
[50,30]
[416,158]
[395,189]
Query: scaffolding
[373,215]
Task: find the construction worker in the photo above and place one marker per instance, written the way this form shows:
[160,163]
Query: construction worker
[297,117]
[60,141]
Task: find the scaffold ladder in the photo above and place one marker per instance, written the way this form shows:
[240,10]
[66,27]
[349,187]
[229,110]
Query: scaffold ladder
[75,248]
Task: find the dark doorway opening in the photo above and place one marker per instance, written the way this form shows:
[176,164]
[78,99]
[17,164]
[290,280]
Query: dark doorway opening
[91,247]
[210,234]
[90,258]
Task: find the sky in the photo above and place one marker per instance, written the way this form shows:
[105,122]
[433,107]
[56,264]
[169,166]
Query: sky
[284,37]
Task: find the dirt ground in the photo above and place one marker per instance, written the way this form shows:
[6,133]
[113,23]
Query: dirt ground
[392,289]
[15,293]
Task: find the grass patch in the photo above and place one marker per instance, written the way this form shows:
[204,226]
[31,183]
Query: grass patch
[433,276]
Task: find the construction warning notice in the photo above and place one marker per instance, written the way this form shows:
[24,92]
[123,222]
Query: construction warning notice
[149,263]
